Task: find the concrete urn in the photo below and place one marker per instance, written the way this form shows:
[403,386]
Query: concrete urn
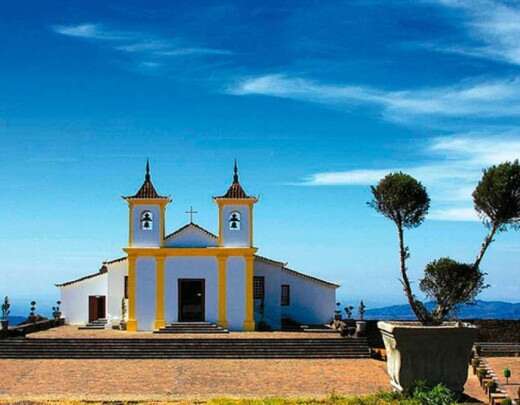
[434,354]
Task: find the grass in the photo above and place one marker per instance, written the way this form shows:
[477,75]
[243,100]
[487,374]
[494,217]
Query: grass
[383,398]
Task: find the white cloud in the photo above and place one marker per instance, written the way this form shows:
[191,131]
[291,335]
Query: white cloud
[195,51]
[478,99]
[136,42]
[494,24]
[454,169]
[89,31]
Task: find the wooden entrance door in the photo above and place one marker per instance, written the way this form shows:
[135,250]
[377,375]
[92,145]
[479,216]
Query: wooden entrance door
[96,307]
[191,300]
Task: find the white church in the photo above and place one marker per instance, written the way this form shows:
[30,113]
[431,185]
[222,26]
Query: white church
[193,275]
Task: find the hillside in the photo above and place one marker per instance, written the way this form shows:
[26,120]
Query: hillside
[481,310]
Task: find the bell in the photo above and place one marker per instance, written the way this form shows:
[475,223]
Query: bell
[234,224]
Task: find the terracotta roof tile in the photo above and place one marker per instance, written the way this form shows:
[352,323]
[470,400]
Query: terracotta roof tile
[235,191]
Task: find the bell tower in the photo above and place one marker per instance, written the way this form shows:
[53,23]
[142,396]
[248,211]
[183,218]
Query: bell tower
[146,215]
[235,213]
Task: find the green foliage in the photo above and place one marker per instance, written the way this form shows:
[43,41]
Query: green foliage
[497,195]
[492,386]
[123,309]
[507,374]
[451,283]
[6,308]
[404,200]
[481,372]
[438,395]
[348,311]
[401,198]
[506,401]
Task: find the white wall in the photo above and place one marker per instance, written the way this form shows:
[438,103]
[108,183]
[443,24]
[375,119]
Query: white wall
[272,281]
[145,293]
[191,267]
[235,285]
[238,238]
[147,238]
[310,302]
[116,290]
[74,298]
[191,237]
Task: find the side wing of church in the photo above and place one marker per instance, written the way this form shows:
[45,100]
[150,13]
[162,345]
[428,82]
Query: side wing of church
[192,275]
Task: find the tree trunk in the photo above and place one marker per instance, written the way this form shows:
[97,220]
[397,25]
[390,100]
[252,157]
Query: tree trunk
[403,255]
[487,241]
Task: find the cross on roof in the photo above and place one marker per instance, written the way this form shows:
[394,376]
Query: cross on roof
[191,212]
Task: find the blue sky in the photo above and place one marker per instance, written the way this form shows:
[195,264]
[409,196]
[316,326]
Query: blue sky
[317,100]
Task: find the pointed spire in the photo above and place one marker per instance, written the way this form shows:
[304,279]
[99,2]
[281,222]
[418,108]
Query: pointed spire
[147,175]
[147,190]
[235,172]
[235,190]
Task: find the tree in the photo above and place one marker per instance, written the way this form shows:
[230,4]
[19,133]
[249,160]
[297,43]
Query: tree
[450,283]
[497,201]
[404,200]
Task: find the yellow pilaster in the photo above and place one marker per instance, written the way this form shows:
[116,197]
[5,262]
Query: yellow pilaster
[131,324]
[162,225]
[251,226]
[249,321]
[222,291]
[159,292]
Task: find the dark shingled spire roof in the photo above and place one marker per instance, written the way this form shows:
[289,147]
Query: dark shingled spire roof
[235,190]
[147,190]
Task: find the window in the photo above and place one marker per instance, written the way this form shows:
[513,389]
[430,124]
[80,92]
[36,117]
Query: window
[258,288]
[234,221]
[126,286]
[146,221]
[286,294]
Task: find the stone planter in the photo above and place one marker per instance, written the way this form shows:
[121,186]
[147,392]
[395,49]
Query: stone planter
[434,354]
[361,328]
[4,324]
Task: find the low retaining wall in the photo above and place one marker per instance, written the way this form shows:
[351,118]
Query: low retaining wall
[490,330]
[23,329]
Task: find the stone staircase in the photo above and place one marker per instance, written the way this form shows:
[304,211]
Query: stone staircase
[192,327]
[497,349]
[179,348]
[97,324]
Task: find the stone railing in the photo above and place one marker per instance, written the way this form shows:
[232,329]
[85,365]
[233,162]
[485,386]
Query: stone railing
[25,328]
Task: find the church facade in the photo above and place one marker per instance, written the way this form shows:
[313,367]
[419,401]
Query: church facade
[193,275]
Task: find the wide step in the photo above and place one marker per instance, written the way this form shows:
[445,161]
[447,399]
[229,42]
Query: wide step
[96,324]
[192,327]
[184,348]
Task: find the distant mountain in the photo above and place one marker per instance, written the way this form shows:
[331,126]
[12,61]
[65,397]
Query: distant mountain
[481,310]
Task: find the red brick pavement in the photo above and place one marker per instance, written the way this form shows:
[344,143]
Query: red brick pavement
[190,379]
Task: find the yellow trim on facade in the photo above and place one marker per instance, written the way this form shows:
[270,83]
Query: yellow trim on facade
[235,201]
[220,226]
[162,224]
[148,201]
[131,324]
[251,225]
[249,320]
[222,291]
[209,251]
[159,292]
